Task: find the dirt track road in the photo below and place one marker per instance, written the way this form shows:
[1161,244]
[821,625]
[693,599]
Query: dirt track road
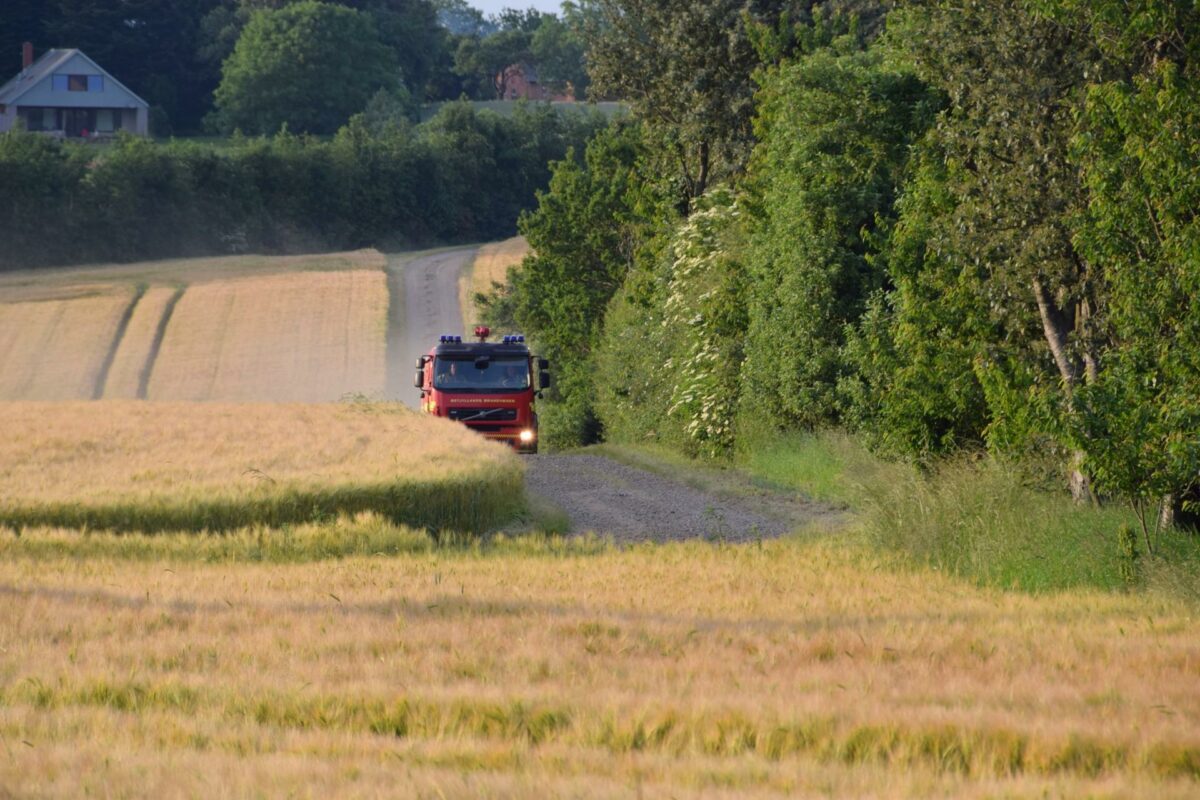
[631,504]
[596,493]
[424,305]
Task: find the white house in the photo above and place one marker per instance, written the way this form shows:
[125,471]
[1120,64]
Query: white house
[67,94]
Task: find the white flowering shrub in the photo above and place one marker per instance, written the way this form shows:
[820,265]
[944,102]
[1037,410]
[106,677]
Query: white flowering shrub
[705,309]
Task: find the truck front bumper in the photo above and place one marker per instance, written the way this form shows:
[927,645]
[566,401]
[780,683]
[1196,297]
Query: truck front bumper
[522,440]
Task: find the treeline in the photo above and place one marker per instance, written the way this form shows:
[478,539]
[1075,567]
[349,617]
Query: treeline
[463,176]
[950,227]
[283,58]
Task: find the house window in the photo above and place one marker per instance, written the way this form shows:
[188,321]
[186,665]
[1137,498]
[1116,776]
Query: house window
[42,119]
[108,120]
[78,83]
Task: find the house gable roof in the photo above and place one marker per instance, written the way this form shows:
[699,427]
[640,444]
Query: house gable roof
[46,66]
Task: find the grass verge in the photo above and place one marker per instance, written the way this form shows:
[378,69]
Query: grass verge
[975,519]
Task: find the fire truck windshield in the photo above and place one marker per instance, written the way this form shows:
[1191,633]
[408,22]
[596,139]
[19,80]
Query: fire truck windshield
[469,374]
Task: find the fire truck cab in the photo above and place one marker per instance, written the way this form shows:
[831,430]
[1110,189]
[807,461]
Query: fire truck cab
[490,387]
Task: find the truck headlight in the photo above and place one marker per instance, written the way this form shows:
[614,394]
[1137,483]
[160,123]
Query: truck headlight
[526,437]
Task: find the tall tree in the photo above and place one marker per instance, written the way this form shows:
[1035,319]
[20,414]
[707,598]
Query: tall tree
[1140,158]
[308,66]
[409,27]
[1013,79]
[558,50]
[484,62]
[685,67]
[835,129]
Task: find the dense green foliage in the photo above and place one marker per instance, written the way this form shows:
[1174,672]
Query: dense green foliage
[582,232]
[463,176]
[953,227]
[835,129]
[307,66]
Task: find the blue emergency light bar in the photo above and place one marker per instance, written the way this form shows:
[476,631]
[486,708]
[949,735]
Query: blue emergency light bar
[450,340]
[516,339]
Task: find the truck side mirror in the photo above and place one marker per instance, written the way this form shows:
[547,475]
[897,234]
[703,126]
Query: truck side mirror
[543,363]
[421,362]
[544,380]
[419,379]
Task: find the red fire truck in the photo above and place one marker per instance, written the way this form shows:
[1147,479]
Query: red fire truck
[488,386]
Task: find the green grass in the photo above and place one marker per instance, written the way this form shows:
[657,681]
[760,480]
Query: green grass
[829,466]
[975,519]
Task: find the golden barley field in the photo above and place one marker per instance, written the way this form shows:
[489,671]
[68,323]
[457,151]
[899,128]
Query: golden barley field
[293,328]
[539,669]
[135,355]
[489,268]
[55,347]
[305,337]
[128,465]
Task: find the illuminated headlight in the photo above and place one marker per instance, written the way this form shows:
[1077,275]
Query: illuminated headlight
[526,437]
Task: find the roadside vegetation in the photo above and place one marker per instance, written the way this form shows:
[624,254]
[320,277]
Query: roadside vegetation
[959,239]
[152,467]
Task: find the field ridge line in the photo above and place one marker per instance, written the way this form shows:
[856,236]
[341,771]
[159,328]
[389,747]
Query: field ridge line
[119,336]
[160,333]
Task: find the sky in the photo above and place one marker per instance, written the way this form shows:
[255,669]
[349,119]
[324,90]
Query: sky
[494,6]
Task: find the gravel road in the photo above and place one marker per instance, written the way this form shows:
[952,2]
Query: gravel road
[630,504]
[596,493]
[424,305]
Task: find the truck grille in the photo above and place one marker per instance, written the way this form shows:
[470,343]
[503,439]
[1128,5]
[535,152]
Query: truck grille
[483,414]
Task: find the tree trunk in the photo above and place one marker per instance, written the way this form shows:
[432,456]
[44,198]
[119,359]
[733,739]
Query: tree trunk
[1167,510]
[1057,325]
[702,180]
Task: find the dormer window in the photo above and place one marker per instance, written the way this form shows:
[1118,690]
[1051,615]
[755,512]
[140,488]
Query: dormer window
[78,83]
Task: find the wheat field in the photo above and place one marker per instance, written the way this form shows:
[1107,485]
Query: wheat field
[135,354]
[489,267]
[187,466]
[55,348]
[255,328]
[522,669]
[304,337]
